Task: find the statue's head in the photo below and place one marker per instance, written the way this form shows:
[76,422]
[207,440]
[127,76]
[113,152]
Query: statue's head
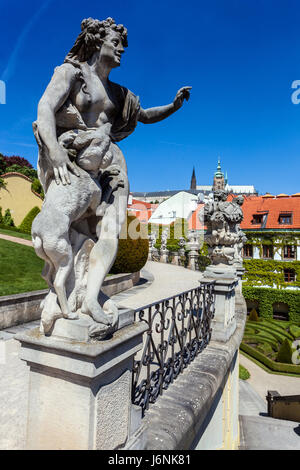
[220,195]
[239,200]
[105,36]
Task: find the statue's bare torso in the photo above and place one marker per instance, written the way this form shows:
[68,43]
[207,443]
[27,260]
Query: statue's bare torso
[96,105]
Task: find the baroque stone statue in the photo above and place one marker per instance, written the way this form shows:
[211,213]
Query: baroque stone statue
[224,237]
[81,117]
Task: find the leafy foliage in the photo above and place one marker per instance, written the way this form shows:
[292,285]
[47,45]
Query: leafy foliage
[133,249]
[7,219]
[269,363]
[285,352]
[244,374]
[270,273]
[253,315]
[295,331]
[26,224]
[37,187]
[29,172]
[266,297]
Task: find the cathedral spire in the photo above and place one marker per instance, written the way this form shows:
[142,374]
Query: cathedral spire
[193,180]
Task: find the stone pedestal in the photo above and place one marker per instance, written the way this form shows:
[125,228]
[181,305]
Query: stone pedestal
[175,258]
[240,272]
[226,281]
[80,389]
[153,254]
[164,255]
[193,260]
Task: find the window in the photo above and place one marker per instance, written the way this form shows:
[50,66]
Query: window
[267,251]
[285,219]
[289,275]
[257,219]
[248,251]
[289,251]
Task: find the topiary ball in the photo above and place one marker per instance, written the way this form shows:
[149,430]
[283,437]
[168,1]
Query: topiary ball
[133,247]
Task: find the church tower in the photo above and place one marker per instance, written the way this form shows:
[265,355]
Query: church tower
[219,180]
[193,180]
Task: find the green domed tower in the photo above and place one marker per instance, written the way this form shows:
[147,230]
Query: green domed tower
[219,180]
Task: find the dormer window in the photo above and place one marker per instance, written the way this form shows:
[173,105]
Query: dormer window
[257,219]
[285,219]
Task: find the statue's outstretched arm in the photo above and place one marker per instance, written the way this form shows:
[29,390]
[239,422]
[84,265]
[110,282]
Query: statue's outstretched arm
[152,115]
[54,97]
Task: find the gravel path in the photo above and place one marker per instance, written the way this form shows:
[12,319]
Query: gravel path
[262,381]
[22,241]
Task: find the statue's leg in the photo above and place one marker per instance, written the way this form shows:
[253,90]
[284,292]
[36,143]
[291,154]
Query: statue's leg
[51,241]
[103,255]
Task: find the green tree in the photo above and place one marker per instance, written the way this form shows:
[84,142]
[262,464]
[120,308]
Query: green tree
[24,170]
[285,352]
[7,219]
[253,316]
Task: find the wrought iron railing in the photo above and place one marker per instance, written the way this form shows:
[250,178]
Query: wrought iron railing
[179,328]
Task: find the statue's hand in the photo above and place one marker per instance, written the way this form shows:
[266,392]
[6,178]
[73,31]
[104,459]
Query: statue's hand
[181,95]
[61,164]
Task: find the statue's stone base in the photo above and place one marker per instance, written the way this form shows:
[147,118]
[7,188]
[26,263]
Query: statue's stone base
[79,329]
[226,281]
[80,392]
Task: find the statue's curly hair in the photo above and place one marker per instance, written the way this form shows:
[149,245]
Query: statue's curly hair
[91,38]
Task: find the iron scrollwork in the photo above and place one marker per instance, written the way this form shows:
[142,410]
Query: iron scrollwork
[179,328]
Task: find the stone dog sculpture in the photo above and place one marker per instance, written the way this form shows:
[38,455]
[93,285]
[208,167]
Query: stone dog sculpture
[81,116]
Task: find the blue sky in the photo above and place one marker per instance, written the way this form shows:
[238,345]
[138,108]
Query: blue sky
[240,57]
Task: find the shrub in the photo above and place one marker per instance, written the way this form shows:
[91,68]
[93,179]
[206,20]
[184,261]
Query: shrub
[24,170]
[244,374]
[295,331]
[253,316]
[37,187]
[274,366]
[285,352]
[1,216]
[26,224]
[7,219]
[132,253]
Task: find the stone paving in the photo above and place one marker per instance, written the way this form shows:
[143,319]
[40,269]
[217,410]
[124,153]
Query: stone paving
[257,430]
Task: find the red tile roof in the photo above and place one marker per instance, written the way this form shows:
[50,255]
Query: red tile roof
[273,207]
[141,209]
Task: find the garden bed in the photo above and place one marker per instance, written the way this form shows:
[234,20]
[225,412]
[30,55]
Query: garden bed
[272,343]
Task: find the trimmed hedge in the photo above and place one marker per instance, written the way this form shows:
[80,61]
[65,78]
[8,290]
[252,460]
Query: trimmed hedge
[274,366]
[132,253]
[26,224]
[285,352]
[266,297]
[244,374]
